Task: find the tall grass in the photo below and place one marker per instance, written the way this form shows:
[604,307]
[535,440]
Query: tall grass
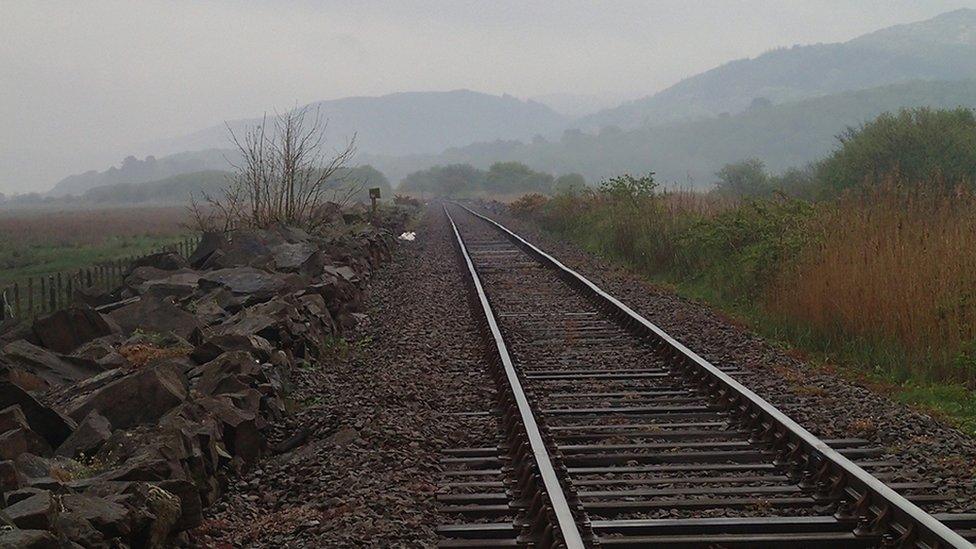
[882,281]
[893,266]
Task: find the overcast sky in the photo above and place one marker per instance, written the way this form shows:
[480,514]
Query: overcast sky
[82,83]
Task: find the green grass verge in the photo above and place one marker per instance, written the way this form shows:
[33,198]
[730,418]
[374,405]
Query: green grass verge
[18,263]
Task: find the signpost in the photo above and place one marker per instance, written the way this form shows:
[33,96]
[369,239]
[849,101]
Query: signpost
[374,195]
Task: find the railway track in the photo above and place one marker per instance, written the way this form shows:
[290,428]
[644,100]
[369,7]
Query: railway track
[613,434]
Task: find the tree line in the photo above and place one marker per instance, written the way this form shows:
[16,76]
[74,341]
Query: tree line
[463,180]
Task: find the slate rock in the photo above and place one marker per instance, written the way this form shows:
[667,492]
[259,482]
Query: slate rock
[79,530]
[65,330]
[35,512]
[22,440]
[12,417]
[167,261]
[91,433]
[213,347]
[27,539]
[291,257]
[140,397]
[155,314]
[54,369]
[181,284]
[42,419]
[110,518]
[10,478]
[245,281]
[210,242]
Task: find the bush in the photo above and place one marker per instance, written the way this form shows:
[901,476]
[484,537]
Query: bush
[529,205]
[917,144]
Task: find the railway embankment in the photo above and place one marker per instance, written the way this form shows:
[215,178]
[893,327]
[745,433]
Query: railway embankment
[124,416]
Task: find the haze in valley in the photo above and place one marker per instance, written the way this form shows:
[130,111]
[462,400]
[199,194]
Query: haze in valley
[86,84]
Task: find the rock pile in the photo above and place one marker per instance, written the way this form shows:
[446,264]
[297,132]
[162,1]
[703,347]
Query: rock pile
[121,416]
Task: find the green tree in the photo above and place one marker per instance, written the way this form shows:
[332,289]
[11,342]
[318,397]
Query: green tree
[508,177]
[629,187]
[746,179]
[917,144]
[570,183]
[447,181]
[364,177]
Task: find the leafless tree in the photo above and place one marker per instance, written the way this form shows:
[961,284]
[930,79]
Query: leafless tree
[285,175]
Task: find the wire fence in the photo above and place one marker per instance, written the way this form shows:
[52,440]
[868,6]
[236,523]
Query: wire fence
[35,296]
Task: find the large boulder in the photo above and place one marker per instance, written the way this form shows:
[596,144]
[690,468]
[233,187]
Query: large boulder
[291,257]
[140,397]
[180,284]
[27,539]
[54,369]
[91,434]
[210,242]
[22,440]
[43,420]
[246,281]
[110,518]
[37,512]
[213,347]
[66,329]
[155,314]
[166,261]
[16,436]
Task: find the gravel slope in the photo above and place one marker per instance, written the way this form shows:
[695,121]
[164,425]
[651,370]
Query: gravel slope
[378,419]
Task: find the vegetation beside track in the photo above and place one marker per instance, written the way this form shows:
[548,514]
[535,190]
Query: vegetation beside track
[876,278]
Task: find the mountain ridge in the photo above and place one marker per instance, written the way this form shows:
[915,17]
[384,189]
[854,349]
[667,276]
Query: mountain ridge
[899,53]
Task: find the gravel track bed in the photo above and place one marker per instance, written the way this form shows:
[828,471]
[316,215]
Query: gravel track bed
[378,419]
[825,403]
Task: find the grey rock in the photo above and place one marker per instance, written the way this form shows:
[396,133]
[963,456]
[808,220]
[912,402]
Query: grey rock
[157,315]
[141,397]
[65,330]
[91,433]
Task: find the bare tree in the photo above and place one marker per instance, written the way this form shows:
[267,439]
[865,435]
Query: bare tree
[284,176]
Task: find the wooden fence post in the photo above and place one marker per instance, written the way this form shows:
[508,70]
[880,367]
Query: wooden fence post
[30,297]
[53,295]
[17,311]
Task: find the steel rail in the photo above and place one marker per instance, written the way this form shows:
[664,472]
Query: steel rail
[566,522]
[878,509]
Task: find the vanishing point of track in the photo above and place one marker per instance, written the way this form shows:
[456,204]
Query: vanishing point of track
[612,433]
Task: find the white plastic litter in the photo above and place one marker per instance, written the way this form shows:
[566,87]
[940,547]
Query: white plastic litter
[409,235]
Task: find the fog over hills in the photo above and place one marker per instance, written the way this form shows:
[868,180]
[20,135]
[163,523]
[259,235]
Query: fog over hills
[766,106]
[941,48]
[405,123]
[689,153]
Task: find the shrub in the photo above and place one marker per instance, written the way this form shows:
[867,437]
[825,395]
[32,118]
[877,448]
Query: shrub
[529,205]
[918,144]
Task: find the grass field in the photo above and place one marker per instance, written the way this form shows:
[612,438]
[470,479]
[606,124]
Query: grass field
[34,243]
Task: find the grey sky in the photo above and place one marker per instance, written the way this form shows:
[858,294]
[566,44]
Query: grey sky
[83,83]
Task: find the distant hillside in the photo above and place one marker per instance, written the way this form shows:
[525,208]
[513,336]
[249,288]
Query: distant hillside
[171,190]
[395,124]
[135,171]
[783,136]
[942,48]
[408,123]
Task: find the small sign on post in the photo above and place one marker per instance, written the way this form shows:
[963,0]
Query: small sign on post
[374,195]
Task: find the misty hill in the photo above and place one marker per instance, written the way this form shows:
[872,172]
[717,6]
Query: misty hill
[135,171]
[941,48]
[408,123]
[689,153]
[171,190]
[395,124]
